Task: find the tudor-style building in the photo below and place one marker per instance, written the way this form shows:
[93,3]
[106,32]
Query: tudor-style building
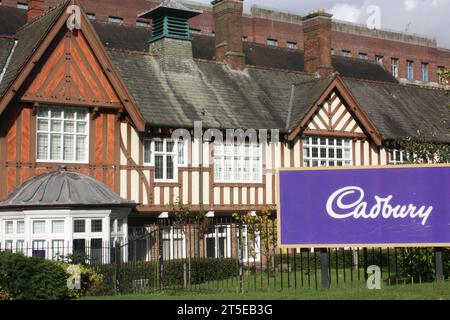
[104,100]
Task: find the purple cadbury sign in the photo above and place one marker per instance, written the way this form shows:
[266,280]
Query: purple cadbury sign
[398,206]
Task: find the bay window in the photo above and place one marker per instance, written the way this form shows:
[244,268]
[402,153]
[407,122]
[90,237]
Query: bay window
[62,135]
[166,155]
[237,163]
[327,152]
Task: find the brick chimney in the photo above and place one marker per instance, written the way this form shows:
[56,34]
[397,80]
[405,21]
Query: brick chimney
[36,8]
[317,43]
[228,30]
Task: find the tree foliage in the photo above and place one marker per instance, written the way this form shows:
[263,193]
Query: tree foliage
[262,226]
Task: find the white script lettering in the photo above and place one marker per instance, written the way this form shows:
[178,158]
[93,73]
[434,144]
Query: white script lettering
[359,208]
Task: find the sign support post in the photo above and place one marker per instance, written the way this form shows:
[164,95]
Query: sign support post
[324,268]
[439,266]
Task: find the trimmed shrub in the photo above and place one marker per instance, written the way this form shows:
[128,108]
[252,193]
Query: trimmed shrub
[91,282]
[200,270]
[144,276]
[25,278]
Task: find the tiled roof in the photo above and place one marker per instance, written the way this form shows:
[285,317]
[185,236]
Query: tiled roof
[272,92]
[6,45]
[222,98]
[29,37]
[399,111]
[62,188]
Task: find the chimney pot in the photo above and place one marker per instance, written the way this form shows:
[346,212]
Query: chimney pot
[36,8]
[317,43]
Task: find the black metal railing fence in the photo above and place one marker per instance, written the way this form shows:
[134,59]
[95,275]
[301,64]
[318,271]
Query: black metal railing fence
[231,257]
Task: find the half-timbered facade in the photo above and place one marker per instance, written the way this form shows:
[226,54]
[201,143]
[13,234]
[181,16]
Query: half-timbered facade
[104,100]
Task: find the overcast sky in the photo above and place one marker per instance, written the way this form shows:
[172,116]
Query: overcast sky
[429,18]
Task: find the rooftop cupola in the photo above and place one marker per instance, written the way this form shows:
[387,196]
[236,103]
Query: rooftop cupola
[170,20]
[171,38]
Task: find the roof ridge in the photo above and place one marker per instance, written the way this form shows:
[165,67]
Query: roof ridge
[143,53]
[50,10]
[316,79]
[400,84]
[355,59]
[7,36]
[279,69]
[255,67]
[123,25]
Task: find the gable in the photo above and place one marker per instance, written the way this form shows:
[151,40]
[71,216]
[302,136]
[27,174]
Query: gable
[69,72]
[334,115]
[55,65]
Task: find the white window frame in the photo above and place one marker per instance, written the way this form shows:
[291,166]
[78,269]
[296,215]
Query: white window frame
[9,223]
[216,235]
[174,233]
[40,221]
[22,6]
[233,153]
[56,252]
[394,67]
[424,72]
[75,134]
[115,20]
[362,56]
[309,144]
[22,248]
[410,70]
[291,45]
[9,245]
[272,42]
[379,59]
[345,53]
[21,222]
[85,226]
[257,242]
[58,221]
[175,154]
[393,153]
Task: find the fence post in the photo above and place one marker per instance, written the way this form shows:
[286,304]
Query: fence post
[241,259]
[439,266]
[160,257]
[324,268]
[366,264]
[118,261]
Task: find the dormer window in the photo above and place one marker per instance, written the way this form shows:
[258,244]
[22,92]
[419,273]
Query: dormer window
[62,135]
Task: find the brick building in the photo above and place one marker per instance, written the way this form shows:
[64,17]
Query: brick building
[410,58]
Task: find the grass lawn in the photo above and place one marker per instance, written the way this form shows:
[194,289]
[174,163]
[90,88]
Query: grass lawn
[430,291]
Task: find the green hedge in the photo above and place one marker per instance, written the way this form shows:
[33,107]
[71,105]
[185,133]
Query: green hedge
[144,276]
[25,278]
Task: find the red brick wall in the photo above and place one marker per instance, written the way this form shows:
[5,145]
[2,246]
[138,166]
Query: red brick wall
[259,29]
